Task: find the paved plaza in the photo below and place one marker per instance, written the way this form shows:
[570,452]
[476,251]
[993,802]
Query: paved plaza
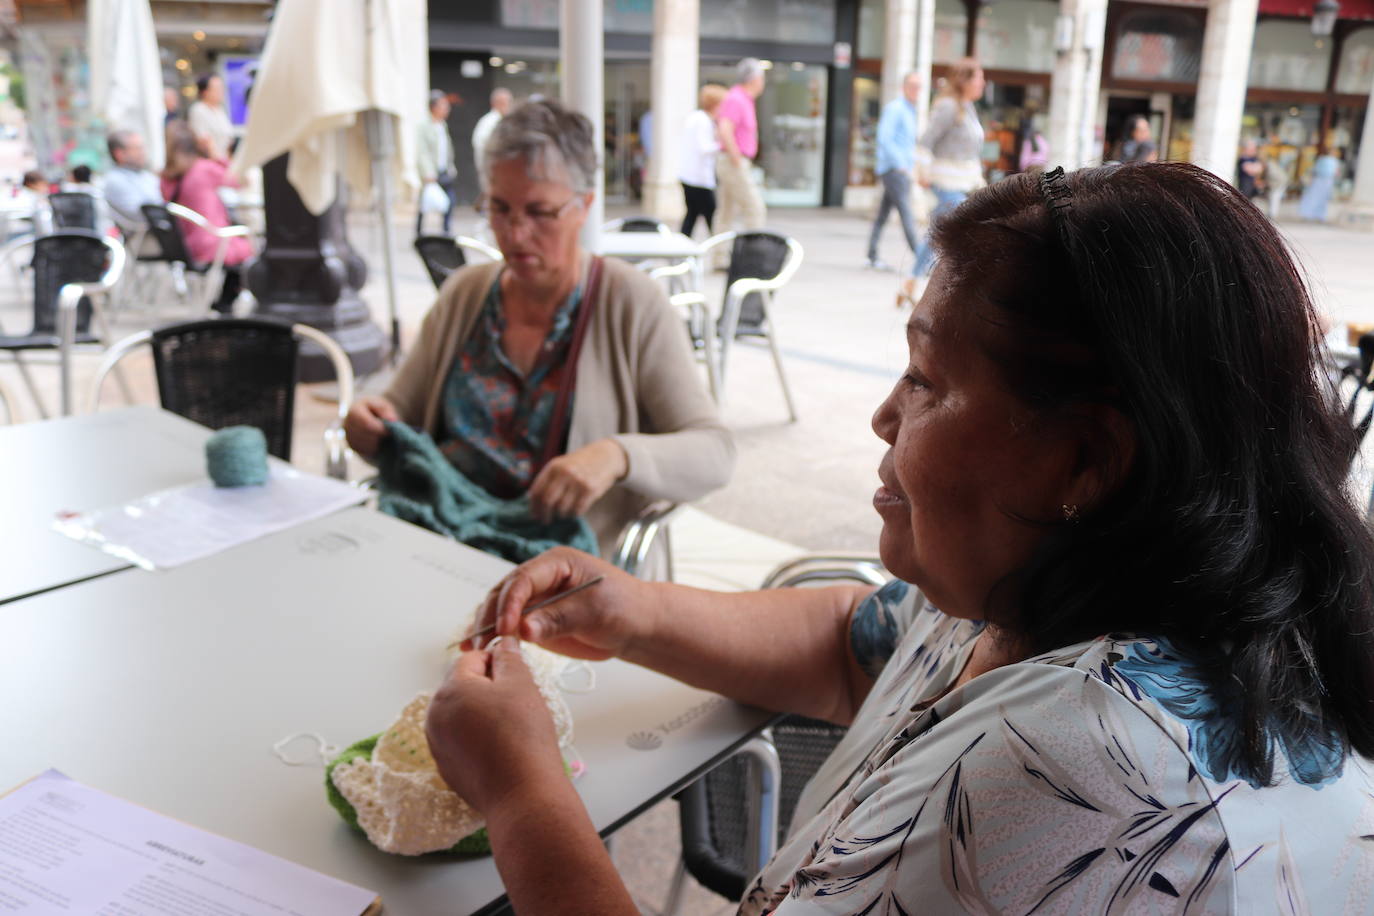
[806,483]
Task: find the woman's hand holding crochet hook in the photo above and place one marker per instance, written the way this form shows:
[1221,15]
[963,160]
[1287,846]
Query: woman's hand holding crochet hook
[594,624]
[490,731]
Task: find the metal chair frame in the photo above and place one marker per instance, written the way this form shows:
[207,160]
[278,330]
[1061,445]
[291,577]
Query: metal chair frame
[715,348]
[462,242]
[68,300]
[335,444]
[637,539]
[210,275]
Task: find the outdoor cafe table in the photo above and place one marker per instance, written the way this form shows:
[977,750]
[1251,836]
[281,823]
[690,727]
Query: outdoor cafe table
[170,688]
[669,246]
[79,464]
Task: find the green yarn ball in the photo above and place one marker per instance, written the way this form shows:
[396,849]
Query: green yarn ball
[236,456]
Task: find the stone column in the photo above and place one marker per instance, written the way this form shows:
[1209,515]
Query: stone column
[582,49]
[899,46]
[672,97]
[1074,85]
[1221,86]
[1360,211]
[925,56]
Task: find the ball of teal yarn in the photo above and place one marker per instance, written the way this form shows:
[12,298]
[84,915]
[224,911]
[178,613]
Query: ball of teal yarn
[236,456]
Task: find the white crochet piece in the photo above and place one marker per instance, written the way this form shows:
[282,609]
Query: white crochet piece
[403,804]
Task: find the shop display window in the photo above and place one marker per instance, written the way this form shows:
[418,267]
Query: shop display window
[1286,55]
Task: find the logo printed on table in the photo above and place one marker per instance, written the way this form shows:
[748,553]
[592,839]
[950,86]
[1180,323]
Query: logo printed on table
[644,741]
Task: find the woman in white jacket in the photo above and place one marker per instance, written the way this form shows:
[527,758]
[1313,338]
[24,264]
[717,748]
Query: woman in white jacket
[697,164]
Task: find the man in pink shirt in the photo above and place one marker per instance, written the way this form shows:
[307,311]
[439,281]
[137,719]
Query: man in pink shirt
[740,200]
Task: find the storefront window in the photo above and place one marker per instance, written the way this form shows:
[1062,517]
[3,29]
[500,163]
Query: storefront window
[1287,133]
[951,31]
[791,115]
[863,142]
[1286,55]
[811,21]
[1017,35]
[1158,45]
[1355,74]
[872,27]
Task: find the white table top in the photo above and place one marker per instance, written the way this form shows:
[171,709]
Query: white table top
[170,688]
[648,245]
[78,464]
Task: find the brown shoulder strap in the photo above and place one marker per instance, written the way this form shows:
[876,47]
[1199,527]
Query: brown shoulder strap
[558,424]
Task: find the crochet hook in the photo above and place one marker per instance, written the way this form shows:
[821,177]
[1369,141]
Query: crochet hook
[538,604]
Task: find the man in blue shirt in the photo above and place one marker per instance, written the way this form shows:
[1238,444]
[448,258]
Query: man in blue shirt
[896,164]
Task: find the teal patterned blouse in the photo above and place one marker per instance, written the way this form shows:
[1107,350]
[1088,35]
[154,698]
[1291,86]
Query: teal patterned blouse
[496,419]
[1099,778]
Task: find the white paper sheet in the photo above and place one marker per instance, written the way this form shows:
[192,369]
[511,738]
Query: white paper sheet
[66,848]
[176,526]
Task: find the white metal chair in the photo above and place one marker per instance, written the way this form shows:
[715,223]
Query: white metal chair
[208,277]
[761,263]
[69,268]
[228,371]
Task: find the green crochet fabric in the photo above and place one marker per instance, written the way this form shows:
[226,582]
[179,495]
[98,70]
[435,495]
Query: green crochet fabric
[417,484]
[474,844]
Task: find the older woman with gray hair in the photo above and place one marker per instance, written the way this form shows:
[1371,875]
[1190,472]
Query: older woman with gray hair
[553,373]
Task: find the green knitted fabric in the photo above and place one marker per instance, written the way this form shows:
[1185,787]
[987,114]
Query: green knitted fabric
[417,484]
[474,844]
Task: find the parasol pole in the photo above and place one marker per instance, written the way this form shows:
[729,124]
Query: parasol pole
[382,147]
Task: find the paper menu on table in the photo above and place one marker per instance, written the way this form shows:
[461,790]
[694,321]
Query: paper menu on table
[186,523]
[66,848]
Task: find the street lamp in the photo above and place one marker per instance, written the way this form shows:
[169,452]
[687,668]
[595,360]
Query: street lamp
[1324,17]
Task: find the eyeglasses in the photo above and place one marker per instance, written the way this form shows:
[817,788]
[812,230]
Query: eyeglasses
[501,215]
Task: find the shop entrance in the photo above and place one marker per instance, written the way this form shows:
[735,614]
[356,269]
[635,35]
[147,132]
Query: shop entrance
[1122,109]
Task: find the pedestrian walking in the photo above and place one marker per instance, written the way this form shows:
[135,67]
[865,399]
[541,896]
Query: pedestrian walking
[1321,184]
[697,161]
[740,200]
[897,132]
[953,145]
[434,158]
[1032,149]
[1249,169]
[1275,179]
[1139,145]
[500,104]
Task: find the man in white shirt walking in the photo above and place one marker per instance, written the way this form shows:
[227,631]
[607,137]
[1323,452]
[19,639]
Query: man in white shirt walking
[434,155]
[500,105]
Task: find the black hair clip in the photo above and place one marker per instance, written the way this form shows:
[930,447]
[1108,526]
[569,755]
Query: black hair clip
[1054,187]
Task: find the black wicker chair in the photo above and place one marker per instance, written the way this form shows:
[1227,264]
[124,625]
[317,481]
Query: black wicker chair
[69,257]
[761,263]
[713,813]
[73,210]
[637,224]
[162,226]
[238,371]
[442,254]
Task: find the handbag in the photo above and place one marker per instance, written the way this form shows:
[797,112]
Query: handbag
[433,199]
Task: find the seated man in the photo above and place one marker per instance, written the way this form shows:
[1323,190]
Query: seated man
[129,185]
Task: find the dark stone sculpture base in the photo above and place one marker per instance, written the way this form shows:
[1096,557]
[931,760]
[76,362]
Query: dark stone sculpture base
[308,273]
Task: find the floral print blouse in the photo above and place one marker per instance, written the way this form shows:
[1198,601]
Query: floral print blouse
[497,419]
[1096,779]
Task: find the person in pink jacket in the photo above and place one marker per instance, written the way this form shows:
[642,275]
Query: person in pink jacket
[192,180]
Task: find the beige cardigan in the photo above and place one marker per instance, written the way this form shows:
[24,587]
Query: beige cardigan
[637,383]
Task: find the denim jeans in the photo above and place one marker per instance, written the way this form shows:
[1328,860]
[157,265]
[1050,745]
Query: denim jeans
[945,201]
[896,193]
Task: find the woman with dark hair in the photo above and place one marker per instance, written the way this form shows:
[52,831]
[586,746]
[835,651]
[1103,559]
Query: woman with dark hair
[1139,145]
[1128,663]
